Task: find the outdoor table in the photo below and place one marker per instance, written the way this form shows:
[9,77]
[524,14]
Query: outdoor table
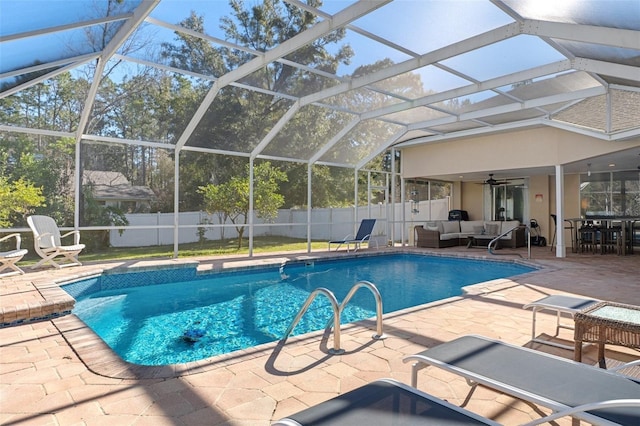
[560,304]
[481,241]
[607,322]
[627,223]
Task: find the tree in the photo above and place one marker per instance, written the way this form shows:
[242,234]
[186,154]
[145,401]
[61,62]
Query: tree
[218,201]
[239,119]
[45,163]
[99,215]
[17,198]
[230,200]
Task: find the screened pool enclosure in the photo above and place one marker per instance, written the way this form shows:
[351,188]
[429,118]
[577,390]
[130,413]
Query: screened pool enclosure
[166,122]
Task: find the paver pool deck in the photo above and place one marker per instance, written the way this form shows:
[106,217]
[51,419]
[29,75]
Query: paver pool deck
[56,372]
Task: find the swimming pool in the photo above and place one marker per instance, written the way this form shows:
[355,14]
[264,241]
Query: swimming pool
[195,316]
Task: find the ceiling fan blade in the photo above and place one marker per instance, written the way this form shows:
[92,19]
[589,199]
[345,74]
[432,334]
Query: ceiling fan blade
[493,182]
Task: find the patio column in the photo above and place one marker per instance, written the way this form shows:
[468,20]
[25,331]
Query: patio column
[561,249]
[176,204]
[309,201]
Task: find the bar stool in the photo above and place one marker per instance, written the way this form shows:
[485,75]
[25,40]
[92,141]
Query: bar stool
[555,230]
[611,240]
[589,235]
[631,235]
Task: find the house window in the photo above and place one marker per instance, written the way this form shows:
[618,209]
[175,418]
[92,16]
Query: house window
[128,206]
[428,199]
[610,193]
[423,190]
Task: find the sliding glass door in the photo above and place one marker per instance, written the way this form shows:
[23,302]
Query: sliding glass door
[506,201]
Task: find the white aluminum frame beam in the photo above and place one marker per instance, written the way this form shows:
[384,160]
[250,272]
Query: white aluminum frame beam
[610,69]
[138,16]
[470,132]
[467,45]
[196,34]
[202,76]
[516,106]
[517,125]
[239,47]
[326,147]
[354,28]
[42,132]
[67,27]
[79,60]
[96,139]
[141,12]
[275,129]
[614,37]
[58,71]
[470,89]
[389,142]
[340,19]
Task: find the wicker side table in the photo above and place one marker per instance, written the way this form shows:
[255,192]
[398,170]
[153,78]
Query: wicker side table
[607,322]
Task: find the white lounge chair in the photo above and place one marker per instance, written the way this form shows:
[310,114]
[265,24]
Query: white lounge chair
[8,259]
[48,245]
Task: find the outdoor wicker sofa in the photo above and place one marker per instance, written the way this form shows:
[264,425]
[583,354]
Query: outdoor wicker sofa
[438,234]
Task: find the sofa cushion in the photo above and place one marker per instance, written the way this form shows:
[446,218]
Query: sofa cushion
[450,227]
[450,236]
[469,226]
[492,228]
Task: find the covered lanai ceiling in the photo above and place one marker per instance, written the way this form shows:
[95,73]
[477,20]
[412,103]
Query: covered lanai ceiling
[476,67]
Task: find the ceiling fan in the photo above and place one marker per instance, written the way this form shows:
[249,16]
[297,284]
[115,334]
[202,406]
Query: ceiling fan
[492,182]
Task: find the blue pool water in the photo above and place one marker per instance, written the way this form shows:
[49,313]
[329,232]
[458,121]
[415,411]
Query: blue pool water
[177,322]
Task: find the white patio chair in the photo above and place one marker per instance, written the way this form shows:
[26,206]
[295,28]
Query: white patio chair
[8,259]
[48,245]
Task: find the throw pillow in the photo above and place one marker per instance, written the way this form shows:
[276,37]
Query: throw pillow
[450,227]
[492,228]
[431,226]
[478,230]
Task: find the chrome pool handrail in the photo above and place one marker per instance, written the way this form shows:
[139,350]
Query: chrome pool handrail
[492,243]
[337,311]
[376,294]
[336,317]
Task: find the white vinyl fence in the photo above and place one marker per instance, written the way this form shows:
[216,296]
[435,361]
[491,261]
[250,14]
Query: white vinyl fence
[326,224]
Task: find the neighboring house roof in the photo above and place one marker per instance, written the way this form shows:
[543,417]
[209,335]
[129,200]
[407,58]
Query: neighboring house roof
[115,186]
[99,177]
[123,192]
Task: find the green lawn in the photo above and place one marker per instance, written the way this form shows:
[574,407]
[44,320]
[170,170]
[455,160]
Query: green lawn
[208,248]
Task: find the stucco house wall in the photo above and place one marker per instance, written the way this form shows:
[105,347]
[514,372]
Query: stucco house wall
[523,149]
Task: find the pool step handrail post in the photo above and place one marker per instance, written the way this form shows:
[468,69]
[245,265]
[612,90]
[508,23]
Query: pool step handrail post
[336,318]
[494,242]
[376,294]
